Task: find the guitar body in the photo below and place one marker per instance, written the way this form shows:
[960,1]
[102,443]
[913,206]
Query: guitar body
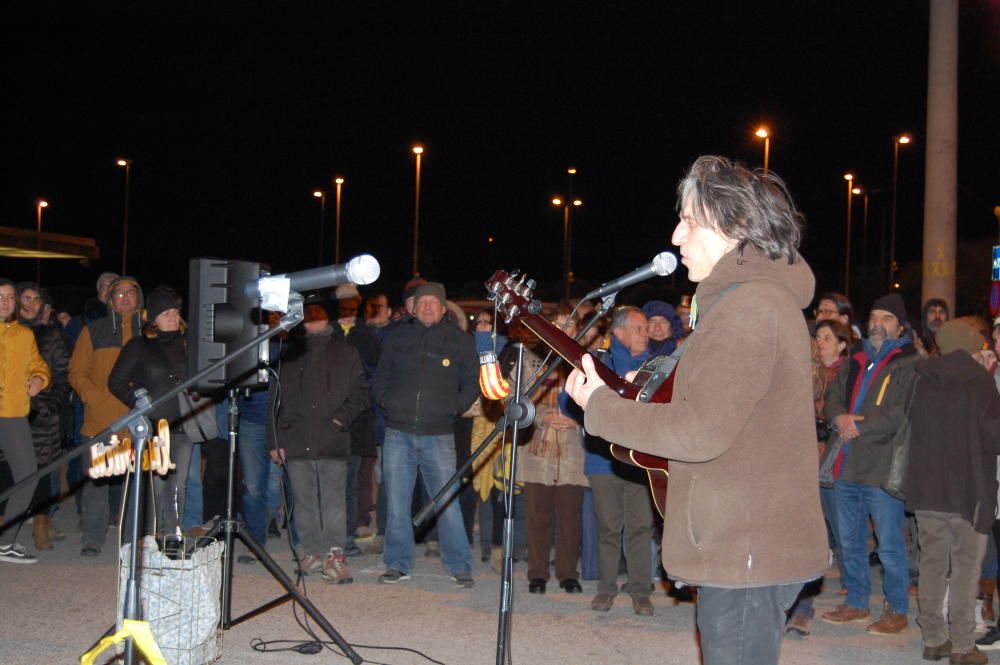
[653,384]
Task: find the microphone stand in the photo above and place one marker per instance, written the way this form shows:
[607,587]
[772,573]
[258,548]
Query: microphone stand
[522,415]
[132,608]
[142,409]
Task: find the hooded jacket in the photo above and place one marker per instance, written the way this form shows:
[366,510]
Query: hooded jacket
[743,504]
[93,358]
[954,440]
[45,416]
[19,362]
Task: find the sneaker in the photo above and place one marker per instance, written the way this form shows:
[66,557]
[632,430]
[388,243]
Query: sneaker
[890,623]
[335,569]
[973,656]
[15,553]
[463,580]
[311,563]
[846,614]
[392,576]
[432,549]
[798,625]
[938,652]
[90,550]
[246,558]
[989,641]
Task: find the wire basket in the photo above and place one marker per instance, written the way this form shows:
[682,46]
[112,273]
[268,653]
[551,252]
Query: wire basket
[179,594]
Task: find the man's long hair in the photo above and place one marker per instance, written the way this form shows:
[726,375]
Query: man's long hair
[745,205]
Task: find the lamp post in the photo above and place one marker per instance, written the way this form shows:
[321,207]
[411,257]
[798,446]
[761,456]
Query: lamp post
[567,206]
[339,182]
[763,133]
[321,195]
[902,139]
[39,204]
[127,165]
[418,150]
[849,177]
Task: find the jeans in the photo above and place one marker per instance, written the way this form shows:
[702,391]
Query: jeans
[403,453]
[855,502]
[255,465]
[588,542]
[319,490]
[743,626]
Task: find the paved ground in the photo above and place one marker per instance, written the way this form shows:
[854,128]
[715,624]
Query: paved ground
[54,610]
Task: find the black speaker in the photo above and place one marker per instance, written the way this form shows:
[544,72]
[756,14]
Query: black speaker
[223,315]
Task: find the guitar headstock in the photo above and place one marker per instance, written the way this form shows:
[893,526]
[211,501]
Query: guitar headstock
[513,294]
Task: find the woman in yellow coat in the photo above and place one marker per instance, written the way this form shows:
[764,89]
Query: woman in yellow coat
[23,374]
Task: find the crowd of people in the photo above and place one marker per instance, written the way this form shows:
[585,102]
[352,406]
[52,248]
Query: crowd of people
[371,410]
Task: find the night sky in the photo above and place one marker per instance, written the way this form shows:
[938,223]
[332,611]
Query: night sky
[233,116]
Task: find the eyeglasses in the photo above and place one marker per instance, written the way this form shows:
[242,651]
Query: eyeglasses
[130,293]
[27,300]
[826,312]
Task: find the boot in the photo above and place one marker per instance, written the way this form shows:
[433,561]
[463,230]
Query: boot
[987,588]
[496,559]
[40,531]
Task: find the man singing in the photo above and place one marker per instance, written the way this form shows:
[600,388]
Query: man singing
[743,518]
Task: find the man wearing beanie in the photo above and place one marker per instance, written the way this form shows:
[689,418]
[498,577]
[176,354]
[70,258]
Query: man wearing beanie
[428,374]
[94,356]
[951,487]
[866,404]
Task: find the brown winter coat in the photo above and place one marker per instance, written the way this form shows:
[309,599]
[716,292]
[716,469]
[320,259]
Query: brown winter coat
[743,504]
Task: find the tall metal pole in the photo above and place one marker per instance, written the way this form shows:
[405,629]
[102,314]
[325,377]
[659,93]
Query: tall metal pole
[321,195]
[941,172]
[128,177]
[38,262]
[568,240]
[566,252]
[892,223]
[418,151]
[847,258]
[767,152]
[336,251]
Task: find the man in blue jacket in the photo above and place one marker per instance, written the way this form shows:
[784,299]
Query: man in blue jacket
[621,497]
[428,374]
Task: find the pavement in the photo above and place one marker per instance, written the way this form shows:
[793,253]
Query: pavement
[55,610]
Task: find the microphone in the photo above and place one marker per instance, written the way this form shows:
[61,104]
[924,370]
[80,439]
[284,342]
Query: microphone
[662,265]
[274,289]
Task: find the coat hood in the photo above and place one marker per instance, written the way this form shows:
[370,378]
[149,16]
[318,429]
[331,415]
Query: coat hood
[950,371]
[796,278]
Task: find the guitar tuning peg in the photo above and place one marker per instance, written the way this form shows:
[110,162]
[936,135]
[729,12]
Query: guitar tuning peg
[532,284]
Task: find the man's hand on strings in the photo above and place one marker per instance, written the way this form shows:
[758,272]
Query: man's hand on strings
[580,385]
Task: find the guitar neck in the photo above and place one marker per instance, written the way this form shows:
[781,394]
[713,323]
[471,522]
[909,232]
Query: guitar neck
[573,353]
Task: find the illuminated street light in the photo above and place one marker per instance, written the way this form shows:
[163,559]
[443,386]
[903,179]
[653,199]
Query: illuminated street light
[764,134]
[127,165]
[902,139]
[339,182]
[418,150]
[849,177]
[321,195]
[39,204]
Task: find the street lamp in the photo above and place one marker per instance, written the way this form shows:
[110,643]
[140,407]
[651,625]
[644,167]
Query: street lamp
[849,177]
[39,204]
[321,195]
[127,165]
[859,191]
[339,182]
[418,150]
[763,133]
[567,206]
[902,139]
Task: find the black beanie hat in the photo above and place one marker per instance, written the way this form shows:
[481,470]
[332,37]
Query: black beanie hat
[160,300]
[892,303]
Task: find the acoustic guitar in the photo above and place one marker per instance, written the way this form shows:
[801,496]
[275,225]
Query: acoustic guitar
[653,382]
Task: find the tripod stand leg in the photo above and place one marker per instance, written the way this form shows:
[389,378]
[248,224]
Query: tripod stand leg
[293,591]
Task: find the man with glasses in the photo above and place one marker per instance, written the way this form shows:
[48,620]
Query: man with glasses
[93,357]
